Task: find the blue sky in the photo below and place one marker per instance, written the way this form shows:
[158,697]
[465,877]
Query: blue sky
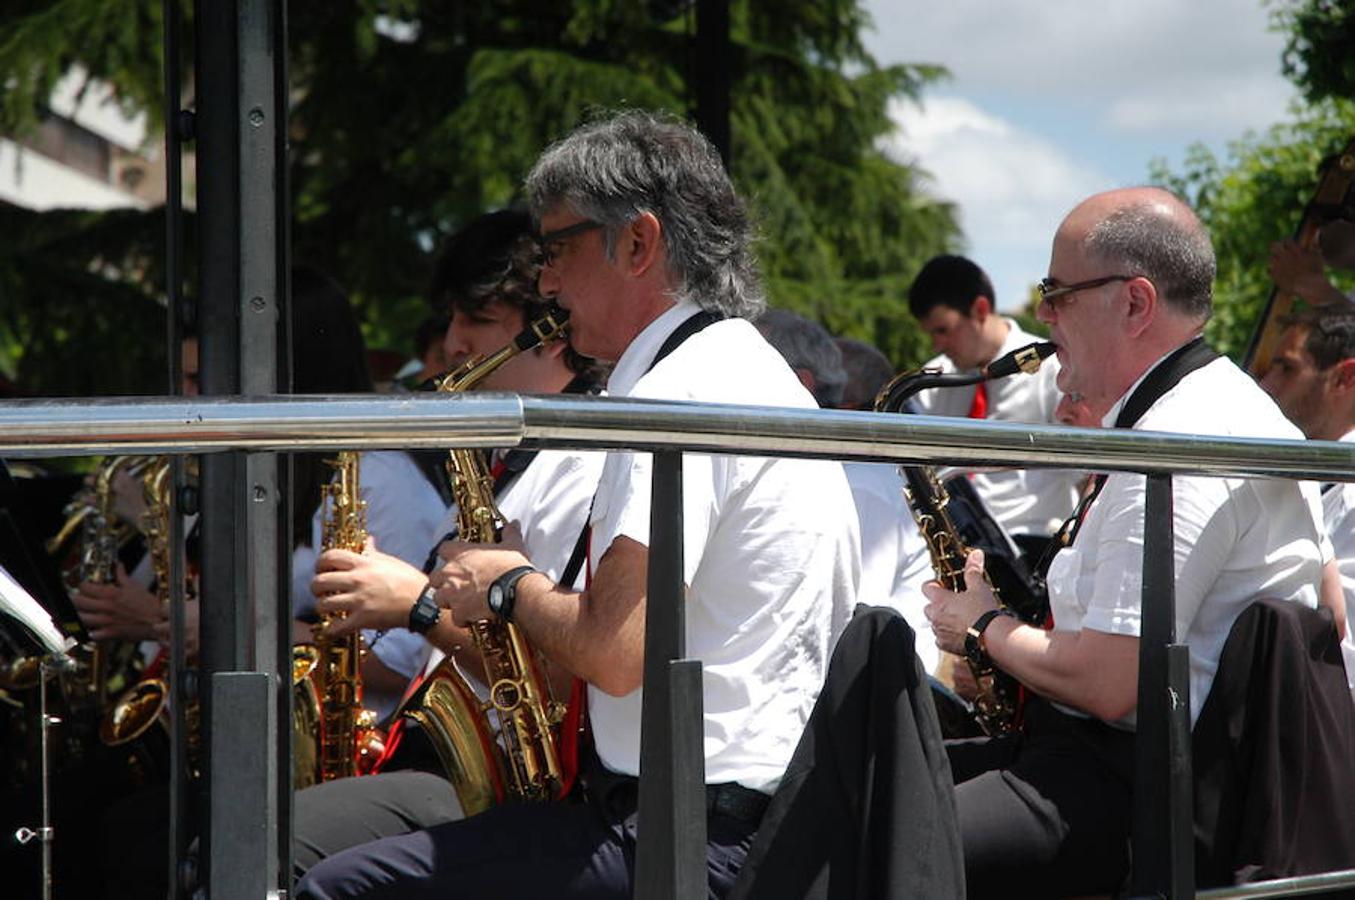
[1051,100]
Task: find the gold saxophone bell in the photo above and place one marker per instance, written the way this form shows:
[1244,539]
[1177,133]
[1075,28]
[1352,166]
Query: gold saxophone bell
[306,717]
[145,704]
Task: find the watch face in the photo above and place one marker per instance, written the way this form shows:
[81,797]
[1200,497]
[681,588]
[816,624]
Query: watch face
[495,597]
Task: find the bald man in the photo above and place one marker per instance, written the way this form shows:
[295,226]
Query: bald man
[1127,298]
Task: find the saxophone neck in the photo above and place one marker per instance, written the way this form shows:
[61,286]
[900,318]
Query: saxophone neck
[549,327]
[1025,359]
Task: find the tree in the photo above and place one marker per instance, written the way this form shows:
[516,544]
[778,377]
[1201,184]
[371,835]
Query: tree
[1255,198]
[411,116]
[1319,55]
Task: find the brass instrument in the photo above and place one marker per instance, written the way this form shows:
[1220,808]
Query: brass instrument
[520,710]
[98,670]
[143,710]
[349,742]
[998,698]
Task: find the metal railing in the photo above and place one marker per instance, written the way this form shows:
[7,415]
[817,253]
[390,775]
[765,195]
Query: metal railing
[282,424]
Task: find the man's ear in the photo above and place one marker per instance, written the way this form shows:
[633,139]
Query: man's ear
[640,244]
[1343,375]
[981,308]
[1142,305]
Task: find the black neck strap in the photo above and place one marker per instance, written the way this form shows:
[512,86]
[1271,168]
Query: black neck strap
[1165,376]
[688,328]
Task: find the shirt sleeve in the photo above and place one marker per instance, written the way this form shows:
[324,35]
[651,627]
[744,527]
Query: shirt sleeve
[623,505]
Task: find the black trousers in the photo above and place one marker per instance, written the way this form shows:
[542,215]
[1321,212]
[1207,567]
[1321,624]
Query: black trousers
[1047,812]
[330,817]
[583,849]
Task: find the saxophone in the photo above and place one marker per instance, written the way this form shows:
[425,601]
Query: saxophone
[145,705]
[349,741]
[98,670]
[998,699]
[520,710]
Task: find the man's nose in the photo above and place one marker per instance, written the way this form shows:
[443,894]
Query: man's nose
[548,283]
[1044,312]
[453,347]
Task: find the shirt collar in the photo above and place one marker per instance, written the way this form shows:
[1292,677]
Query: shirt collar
[1109,420]
[639,354]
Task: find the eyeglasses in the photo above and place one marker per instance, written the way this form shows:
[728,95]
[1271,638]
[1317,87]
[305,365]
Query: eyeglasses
[546,243]
[1051,290]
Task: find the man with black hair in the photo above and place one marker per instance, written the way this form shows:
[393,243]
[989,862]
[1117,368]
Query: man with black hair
[485,280]
[1312,378]
[954,301]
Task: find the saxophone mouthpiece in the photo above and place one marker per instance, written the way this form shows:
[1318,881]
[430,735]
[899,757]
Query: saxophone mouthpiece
[549,326]
[1023,359]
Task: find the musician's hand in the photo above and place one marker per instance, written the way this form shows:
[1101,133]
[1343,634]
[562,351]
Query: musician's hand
[122,610]
[1298,270]
[463,579]
[129,497]
[952,613]
[374,589]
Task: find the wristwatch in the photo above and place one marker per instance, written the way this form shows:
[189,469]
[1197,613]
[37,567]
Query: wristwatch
[974,647]
[425,612]
[503,591]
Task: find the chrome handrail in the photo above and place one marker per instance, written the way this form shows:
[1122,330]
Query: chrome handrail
[37,428]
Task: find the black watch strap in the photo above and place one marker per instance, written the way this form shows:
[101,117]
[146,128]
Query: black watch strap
[503,592]
[973,639]
[424,614]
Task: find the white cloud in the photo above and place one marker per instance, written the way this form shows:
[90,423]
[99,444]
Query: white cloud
[1012,187]
[1209,66]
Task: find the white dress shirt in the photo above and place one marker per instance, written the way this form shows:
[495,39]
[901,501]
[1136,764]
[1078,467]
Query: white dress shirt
[1338,511]
[1023,501]
[894,558]
[771,556]
[1236,539]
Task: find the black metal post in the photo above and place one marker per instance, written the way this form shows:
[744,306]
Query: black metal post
[671,856]
[181,690]
[241,112]
[1163,829]
[713,75]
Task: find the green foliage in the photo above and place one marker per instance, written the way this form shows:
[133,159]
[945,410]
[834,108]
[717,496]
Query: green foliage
[1319,55]
[412,116]
[100,309]
[117,43]
[1253,198]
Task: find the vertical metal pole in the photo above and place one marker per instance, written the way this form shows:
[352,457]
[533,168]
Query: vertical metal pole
[671,856]
[261,274]
[1163,829]
[180,690]
[713,75]
[46,834]
[241,110]
[218,228]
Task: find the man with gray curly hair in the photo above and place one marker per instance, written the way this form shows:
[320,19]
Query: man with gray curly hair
[645,242]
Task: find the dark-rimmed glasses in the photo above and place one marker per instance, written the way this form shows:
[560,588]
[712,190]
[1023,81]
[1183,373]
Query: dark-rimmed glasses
[1051,290]
[546,243]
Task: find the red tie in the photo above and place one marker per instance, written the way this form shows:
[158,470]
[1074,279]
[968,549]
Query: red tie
[979,408]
